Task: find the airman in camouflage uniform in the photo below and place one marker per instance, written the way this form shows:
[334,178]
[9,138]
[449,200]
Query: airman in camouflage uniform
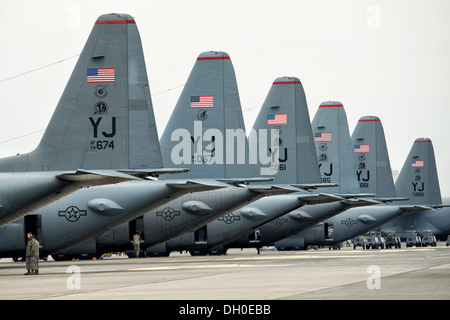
[32,255]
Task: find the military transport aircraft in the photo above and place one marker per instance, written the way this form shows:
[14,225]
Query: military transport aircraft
[286,103]
[90,129]
[212,75]
[197,208]
[91,212]
[373,173]
[420,183]
[335,158]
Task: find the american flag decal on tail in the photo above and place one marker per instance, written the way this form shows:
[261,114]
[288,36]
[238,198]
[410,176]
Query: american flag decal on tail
[322,137]
[361,148]
[202,101]
[417,163]
[277,119]
[98,75]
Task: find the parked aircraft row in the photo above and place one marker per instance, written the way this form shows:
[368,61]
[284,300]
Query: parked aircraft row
[96,177]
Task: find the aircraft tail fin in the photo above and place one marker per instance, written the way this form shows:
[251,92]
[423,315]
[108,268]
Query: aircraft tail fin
[418,178]
[334,147]
[285,119]
[196,135]
[373,168]
[104,118]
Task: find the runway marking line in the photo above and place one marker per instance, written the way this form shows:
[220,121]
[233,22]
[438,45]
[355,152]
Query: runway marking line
[206,266]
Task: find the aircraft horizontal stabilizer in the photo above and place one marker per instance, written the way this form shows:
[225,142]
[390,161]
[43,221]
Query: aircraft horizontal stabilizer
[273,189]
[414,208]
[309,186]
[360,202]
[355,195]
[439,206]
[143,173]
[317,198]
[90,178]
[243,181]
[196,186]
[390,199]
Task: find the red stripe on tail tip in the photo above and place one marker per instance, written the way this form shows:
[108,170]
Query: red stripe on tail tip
[331,106]
[213,58]
[115,22]
[287,82]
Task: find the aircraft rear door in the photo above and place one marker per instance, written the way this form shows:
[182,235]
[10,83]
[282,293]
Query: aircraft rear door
[33,224]
[201,235]
[329,231]
[136,225]
[255,237]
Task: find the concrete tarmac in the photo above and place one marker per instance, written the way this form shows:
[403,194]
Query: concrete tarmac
[394,274]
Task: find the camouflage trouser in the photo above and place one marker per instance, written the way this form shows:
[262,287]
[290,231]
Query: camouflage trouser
[32,264]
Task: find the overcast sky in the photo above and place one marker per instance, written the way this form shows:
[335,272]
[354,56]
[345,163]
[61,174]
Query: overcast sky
[384,58]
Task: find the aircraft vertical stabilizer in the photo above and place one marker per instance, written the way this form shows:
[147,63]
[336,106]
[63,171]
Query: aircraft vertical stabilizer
[209,108]
[418,180]
[373,169]
[334,148]
[104,119]
[285,112]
